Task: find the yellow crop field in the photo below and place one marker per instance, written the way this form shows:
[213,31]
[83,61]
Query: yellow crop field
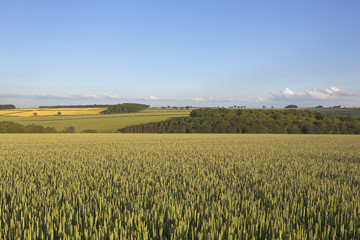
[162,186]
[96,121]
[28,112]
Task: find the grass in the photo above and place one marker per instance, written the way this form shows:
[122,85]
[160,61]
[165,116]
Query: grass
[99,122]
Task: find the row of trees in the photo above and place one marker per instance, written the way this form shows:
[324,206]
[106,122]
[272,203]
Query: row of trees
[7,106]
[125,108]
[13,127]
[252,121]
[58,114]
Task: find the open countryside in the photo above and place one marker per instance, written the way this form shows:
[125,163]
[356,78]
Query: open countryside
[89,118]
[183,186]
[29,112]
[180,120]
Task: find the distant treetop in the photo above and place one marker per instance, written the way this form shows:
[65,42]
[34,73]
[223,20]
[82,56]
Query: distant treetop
[7,106]
[207,120]
[125,108]
[13,127]
[291,106]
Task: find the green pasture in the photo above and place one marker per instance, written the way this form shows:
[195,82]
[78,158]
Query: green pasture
[101,123]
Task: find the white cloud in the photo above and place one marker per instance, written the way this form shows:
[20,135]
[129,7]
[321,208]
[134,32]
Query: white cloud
[113,96]
[106,96]
[103,96]
[316,94]
[200,99]
[211,99]
[48,96]
[152,98]
[259,100]
[88,96]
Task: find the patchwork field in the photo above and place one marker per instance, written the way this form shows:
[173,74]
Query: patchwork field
[162,186]
[27,112]
[91,119]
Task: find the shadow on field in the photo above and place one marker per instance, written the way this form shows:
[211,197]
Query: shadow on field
[176,118]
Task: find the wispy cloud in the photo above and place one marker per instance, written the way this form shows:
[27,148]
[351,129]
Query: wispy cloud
[211,99]
[201,99]
[107,96]
[316,94]
[151,97]
[259,100]
[88,96]
[48,96]
[104,96]
[113,96]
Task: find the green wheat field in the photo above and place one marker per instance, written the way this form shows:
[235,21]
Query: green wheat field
[162,186]
[100,122]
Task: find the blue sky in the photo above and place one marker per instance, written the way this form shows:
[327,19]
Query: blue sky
[177,53]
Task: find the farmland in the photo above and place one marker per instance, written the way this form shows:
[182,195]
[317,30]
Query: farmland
[89,118]
[210,186]
[27,112]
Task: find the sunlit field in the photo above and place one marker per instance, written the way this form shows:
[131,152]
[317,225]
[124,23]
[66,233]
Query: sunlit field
[27,112]
[162,186]
[91,119]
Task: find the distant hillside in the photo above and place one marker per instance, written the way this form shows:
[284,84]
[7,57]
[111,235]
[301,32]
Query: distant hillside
[82,120]
[126,108]
[253,121]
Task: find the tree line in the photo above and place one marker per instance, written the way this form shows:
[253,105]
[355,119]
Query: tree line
[125,108]
[252,121]
[13,127]
[7,106]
